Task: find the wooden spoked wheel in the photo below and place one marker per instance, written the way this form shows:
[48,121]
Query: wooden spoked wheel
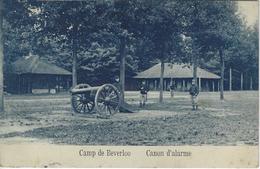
[82,102]
[107,100]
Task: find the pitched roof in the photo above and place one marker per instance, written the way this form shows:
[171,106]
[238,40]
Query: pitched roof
[175,71]
[33,64]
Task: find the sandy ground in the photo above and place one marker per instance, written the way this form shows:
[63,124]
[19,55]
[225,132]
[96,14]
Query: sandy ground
[49,119]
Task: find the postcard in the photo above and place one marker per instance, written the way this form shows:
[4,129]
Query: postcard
[129,83]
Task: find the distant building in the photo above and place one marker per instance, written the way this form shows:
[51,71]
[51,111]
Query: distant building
[31,74]
[181,74]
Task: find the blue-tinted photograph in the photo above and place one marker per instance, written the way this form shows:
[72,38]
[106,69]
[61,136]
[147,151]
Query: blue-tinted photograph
[129,72]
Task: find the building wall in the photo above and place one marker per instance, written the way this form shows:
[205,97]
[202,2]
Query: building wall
[181,84]
[27,83]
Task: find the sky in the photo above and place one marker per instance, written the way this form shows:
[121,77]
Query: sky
[249,9]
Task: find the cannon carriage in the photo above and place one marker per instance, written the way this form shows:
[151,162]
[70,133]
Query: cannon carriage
[104,100]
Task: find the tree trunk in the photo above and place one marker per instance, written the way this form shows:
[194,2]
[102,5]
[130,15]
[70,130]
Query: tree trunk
[194,67]
[251,83]
[74,63]
[122,67]
[183,85]
[218,85]
[1,58]
[222,74]
[213,86]
[242,81]
[161,81]
[230,79]
[199,79]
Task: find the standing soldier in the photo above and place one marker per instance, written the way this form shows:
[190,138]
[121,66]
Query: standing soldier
[172,88]
[143,94]
[194,91]
[117,84]
[123,107]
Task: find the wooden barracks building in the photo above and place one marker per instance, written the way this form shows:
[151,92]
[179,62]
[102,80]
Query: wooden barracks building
[181,74]
[31,74]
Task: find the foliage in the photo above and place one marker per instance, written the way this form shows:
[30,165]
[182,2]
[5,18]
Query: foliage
[154,30]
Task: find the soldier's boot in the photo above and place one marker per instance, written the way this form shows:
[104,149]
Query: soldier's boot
[197,107]
[193,107]
[143,104]
[140,104]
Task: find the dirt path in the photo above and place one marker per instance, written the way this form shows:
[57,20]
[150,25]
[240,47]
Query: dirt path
[50,120]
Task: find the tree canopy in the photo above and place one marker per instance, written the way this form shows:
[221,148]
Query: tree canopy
[92,32]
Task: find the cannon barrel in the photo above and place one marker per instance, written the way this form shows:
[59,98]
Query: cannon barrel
[82,90]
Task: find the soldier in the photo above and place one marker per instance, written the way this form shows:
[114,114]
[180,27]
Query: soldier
[172,88]
[124,107]
[117,84]
[143,94]
[194,91]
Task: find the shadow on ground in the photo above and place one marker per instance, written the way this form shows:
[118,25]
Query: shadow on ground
[230,122]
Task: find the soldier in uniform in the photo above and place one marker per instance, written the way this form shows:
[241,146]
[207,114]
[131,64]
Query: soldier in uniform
[143,94]
[172,88]
[194,92]
[117,84]
[124,107]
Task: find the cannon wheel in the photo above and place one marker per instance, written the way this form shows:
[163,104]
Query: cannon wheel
[107,100]
[81,102]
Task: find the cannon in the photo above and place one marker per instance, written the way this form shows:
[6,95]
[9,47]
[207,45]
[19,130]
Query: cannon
[104,100]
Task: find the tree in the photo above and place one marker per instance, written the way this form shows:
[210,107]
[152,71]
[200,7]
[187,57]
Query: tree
[161,29]
[1,58]
[223,27]
[22,33]
[193,19]
[253,59]
[71,23]
[243,55]
[120,23]
[212,26]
